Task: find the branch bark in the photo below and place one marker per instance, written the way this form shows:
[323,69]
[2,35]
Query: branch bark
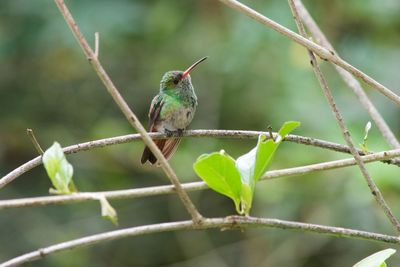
[232,222]
[123,106]
[194,186]
[8,178]
[346,134]
[349,79]
[317,49]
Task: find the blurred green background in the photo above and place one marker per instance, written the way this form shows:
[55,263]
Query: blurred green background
[254,77]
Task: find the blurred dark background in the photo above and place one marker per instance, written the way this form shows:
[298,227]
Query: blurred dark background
[254,77]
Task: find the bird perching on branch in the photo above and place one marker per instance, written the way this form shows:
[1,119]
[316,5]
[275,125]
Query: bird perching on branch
[171,111]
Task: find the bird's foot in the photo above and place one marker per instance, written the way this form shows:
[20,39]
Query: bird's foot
[169,133]
[178,132]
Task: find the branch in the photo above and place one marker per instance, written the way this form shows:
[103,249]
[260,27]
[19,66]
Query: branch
[232,222]
[346,134]
[96,44]
[130,116]
[194,186]
[349,79]
[8,178]
[317,49]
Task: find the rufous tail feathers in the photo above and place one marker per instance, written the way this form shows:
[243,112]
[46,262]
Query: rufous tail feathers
[167,147]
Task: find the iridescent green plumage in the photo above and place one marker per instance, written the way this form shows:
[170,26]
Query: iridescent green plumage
[171,110]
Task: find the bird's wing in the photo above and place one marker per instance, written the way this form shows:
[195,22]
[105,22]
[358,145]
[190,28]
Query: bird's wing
[154,113]
[167,146]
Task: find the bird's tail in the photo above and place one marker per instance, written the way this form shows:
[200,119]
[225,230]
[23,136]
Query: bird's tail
[167,147]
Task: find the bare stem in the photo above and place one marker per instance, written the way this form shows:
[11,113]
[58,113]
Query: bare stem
[234,222]
[349,79]
[96,44]
[271,135]
[34,141]
[8,178]
[346,134]
[130,116]
[194,186]
[317,49]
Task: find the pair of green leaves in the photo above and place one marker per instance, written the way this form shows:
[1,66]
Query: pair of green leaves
[60,172]
[236,179]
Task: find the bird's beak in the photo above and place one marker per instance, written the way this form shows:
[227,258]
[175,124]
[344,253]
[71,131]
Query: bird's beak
[186,72]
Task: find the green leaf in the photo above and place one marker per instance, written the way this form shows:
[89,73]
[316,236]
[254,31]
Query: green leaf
[288,127]
[266,148]
[245,165]
[246,199]
[377,259]
[237,179]
[107,211]
[58,169]
[253,164]
[220,174]
[265,151]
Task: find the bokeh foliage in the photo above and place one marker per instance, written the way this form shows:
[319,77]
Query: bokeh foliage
[254,77]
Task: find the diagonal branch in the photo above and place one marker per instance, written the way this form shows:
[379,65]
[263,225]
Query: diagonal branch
[232,222]
[130,116]
[240,134]
[349,79]
[189,187]
[317,49]
[346,134]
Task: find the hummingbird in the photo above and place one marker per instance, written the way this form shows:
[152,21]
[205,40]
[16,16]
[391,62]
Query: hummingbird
[171,111]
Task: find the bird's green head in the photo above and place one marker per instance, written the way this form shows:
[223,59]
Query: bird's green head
[178,80]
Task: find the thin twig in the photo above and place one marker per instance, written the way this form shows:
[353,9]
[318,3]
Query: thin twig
[271,135]
[346,134]
[8,178]
[34,141]
[317,49]
[130,116]
[233,222]
[349,79]
[96,44]
[188,187]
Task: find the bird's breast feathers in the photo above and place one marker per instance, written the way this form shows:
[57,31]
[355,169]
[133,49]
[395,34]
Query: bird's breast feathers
[176,117]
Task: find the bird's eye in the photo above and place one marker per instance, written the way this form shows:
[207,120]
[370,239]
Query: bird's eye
[176,81]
